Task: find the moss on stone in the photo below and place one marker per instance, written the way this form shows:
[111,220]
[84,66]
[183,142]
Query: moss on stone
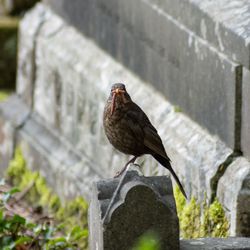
[200,219]
[69,215]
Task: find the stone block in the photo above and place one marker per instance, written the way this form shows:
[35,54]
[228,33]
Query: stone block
[160,50]
[231,243]
[123,210]
[245,132]
[13,113]
[224,23]
[234,193]
[26,72]
[68,172]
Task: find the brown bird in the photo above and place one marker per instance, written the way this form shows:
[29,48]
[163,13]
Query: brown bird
[129,130]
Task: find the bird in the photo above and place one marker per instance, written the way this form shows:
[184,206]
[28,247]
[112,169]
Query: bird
[130,131]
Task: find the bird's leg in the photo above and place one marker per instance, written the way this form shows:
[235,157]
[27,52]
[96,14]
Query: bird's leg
[125,167]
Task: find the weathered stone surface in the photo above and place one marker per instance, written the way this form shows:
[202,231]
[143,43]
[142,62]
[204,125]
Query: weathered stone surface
[14,110]
[67,171]
[13,114]
[223,23]
[77,82]
[160,50]
[122,211]
[26,72]
[231,243]
[245,133]
[234,193]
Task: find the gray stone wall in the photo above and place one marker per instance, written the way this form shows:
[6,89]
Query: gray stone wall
[71,87]
[193,52]
[64,78]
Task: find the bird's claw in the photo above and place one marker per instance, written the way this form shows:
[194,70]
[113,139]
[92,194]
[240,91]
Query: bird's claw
[118,174]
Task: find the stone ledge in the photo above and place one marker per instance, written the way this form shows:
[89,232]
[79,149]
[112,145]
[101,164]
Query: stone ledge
[231,243]
[223,23]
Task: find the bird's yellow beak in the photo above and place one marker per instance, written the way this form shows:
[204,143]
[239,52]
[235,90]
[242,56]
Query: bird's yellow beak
[118,91]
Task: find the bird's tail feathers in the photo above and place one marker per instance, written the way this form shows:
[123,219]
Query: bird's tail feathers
[166,163]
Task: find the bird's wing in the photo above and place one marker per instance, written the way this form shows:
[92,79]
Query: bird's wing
[133,122]
[153,141]
[144,131]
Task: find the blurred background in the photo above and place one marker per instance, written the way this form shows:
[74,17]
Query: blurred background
[185,62]
[10,14]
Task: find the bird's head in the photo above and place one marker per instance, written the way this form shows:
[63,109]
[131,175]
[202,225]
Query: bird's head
[118,96]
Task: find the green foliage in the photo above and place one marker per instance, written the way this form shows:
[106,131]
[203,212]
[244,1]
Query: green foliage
[148,241]
[17,232]
[72,216]
[219,223]
[200,220]
[190,220]
[10,228]
[39,194]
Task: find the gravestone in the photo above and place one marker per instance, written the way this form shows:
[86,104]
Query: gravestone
[123,209]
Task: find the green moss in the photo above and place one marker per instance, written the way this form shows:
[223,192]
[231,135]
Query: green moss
[200,219]
[69,215]
[219,222]
[179,200]
[190,220]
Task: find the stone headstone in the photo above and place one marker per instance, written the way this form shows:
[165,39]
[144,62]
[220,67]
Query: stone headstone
[122,210]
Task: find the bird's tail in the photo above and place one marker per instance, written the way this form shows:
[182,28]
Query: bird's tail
[166,163]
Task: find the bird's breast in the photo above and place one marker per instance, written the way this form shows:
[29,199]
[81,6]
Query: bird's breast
[120,135]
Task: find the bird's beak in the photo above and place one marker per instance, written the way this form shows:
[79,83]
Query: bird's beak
[116,92]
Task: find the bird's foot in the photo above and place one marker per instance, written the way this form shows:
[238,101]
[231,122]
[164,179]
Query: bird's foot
[118,174]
